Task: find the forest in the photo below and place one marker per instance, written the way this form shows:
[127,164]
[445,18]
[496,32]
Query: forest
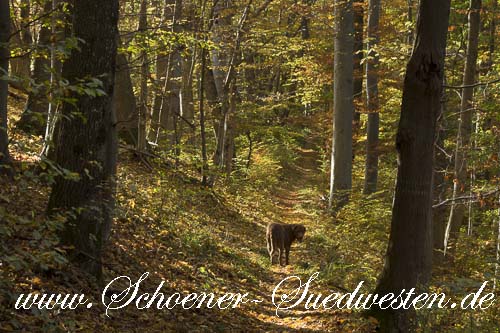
[250,150]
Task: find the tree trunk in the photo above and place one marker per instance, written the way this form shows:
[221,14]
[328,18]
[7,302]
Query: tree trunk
[408,260]
[372,103]
[5,160]
[143,95]
[220,62]
[224,68]
[34,118]
[204,156]
[20,66]
[460,186]
[86,144]
[166,105]
[410,19]
[58,34]
[341,163]
[440,187]
[124,102]
[358,58]
[493,29]
[187,80]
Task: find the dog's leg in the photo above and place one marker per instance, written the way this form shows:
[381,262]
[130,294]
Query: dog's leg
[270,248]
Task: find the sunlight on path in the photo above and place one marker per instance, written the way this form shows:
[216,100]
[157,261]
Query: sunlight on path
[291,200]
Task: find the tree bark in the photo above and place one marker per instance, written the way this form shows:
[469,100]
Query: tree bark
[372,102]
[341,162]
[5,160]
[460,187]
[408,260]
[86,144]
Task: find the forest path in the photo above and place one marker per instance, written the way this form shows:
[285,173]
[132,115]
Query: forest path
[295,200]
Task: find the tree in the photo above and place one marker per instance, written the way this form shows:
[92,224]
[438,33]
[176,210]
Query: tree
[409,254]
[166,105]
[85,142]
[460,186]
[371,170]
[20,64]
[34,117]
[343,113]
[5,159]
[124,102]
[143,95]
[358,58]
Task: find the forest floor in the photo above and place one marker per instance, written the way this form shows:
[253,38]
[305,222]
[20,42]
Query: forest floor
[193,238]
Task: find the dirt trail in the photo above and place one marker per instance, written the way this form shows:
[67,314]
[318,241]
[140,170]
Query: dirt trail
[291,201]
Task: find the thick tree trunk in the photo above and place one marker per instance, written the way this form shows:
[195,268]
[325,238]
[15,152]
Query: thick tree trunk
[5,159]
[341,162]
[408,260]
[34,118]
[86,144]
[372,103]
[460,186]
[358,58]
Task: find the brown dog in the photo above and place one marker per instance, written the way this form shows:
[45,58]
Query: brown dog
[280,237]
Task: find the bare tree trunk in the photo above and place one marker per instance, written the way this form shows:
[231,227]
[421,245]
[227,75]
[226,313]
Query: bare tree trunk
[371,170]
[408,260]
[204,156]
[143,95]
[358,58]
[341,162]
[460,186]
[5,160]
[86,144]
